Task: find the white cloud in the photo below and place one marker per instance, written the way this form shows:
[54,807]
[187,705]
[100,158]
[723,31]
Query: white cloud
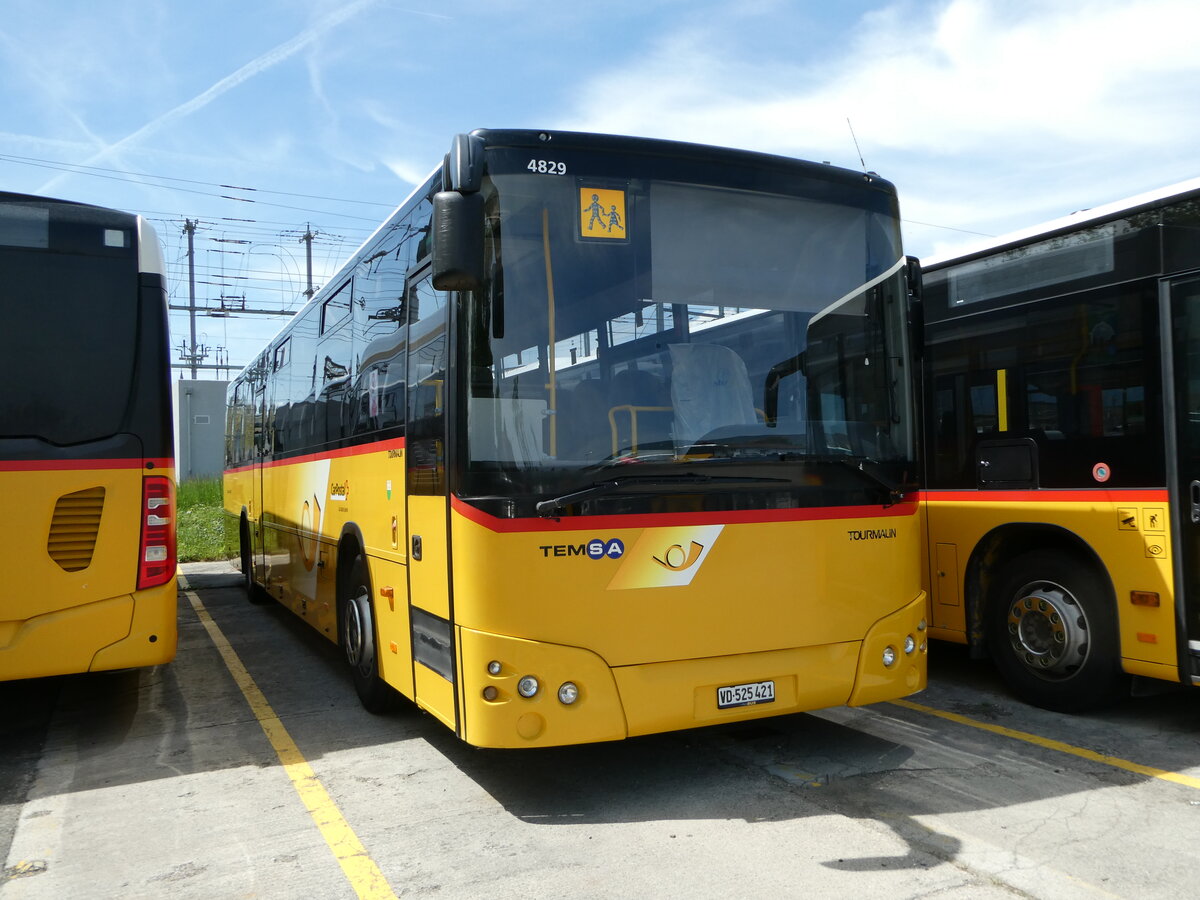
[407,171]
[259,64]
[975,71]
[980,110]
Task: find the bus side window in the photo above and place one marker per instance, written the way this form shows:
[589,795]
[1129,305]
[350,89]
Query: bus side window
[427,386]
[233,427]
[377,399]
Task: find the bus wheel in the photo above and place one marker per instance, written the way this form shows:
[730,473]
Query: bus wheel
[1052,632]
[253,592]
[359,640]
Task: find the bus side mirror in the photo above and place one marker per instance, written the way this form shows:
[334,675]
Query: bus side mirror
[913,271]
[457,241]
[916,309]
[462,169]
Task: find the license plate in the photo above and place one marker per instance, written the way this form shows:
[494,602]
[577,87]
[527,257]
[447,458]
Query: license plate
[745,694]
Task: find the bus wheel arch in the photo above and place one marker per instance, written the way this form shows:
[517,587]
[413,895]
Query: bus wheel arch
[1045,610]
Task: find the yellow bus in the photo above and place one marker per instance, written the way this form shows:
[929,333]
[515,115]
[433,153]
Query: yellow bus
[87,484]
[1063,447]
[598,437]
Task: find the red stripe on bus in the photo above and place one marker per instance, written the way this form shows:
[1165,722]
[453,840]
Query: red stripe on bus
[665,520]
[1082,495]
[341,453]
[74,465]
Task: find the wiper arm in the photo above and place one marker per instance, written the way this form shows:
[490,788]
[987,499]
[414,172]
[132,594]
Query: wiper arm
[870,468]
[551,508]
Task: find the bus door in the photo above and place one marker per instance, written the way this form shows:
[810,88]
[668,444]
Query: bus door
[430,611]
[255,505]
[1183,296]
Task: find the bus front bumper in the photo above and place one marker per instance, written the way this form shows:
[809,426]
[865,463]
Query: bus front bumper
[609,704]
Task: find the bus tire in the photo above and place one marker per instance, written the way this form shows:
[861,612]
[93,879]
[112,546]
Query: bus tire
[254,593]
[1052,633]
[360,641]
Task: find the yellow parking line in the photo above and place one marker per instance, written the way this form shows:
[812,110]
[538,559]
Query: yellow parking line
[364,875]
[1050,744]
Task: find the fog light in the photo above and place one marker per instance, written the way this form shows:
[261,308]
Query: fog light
[490,692]
[909,644]
[568,693]
[889,656]
[494,667]
[527,686]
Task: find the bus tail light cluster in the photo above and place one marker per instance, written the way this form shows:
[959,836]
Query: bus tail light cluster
[156,555]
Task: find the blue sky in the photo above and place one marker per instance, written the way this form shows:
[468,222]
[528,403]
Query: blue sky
[989,115]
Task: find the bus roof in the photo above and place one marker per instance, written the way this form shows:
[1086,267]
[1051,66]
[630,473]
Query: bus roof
[503,137]
[552,139]
[1072,222]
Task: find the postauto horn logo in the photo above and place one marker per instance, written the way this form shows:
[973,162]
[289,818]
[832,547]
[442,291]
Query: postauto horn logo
[665,557]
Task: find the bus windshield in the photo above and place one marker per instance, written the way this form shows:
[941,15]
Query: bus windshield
[70,284]
[682,322]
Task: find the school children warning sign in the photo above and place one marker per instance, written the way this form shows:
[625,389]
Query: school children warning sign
[602,214]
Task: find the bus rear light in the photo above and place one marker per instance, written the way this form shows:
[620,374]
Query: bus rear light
[156,555]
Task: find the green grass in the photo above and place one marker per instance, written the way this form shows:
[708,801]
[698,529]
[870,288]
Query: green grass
[201,520]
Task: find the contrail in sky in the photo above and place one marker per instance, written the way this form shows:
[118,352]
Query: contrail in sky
[249,70]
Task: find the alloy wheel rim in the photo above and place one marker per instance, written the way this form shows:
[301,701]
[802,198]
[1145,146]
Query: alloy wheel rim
[354,630]
[1048,630]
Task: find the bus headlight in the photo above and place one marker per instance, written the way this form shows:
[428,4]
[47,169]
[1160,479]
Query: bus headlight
[889,656]
[494,667]
[568,693]
[528,686]
[909,645]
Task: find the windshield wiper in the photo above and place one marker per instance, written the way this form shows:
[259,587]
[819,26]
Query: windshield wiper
[551,508]
[871,469]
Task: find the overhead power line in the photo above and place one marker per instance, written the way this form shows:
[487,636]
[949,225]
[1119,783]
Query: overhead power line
[946,227]
[82,169]
[138,178]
